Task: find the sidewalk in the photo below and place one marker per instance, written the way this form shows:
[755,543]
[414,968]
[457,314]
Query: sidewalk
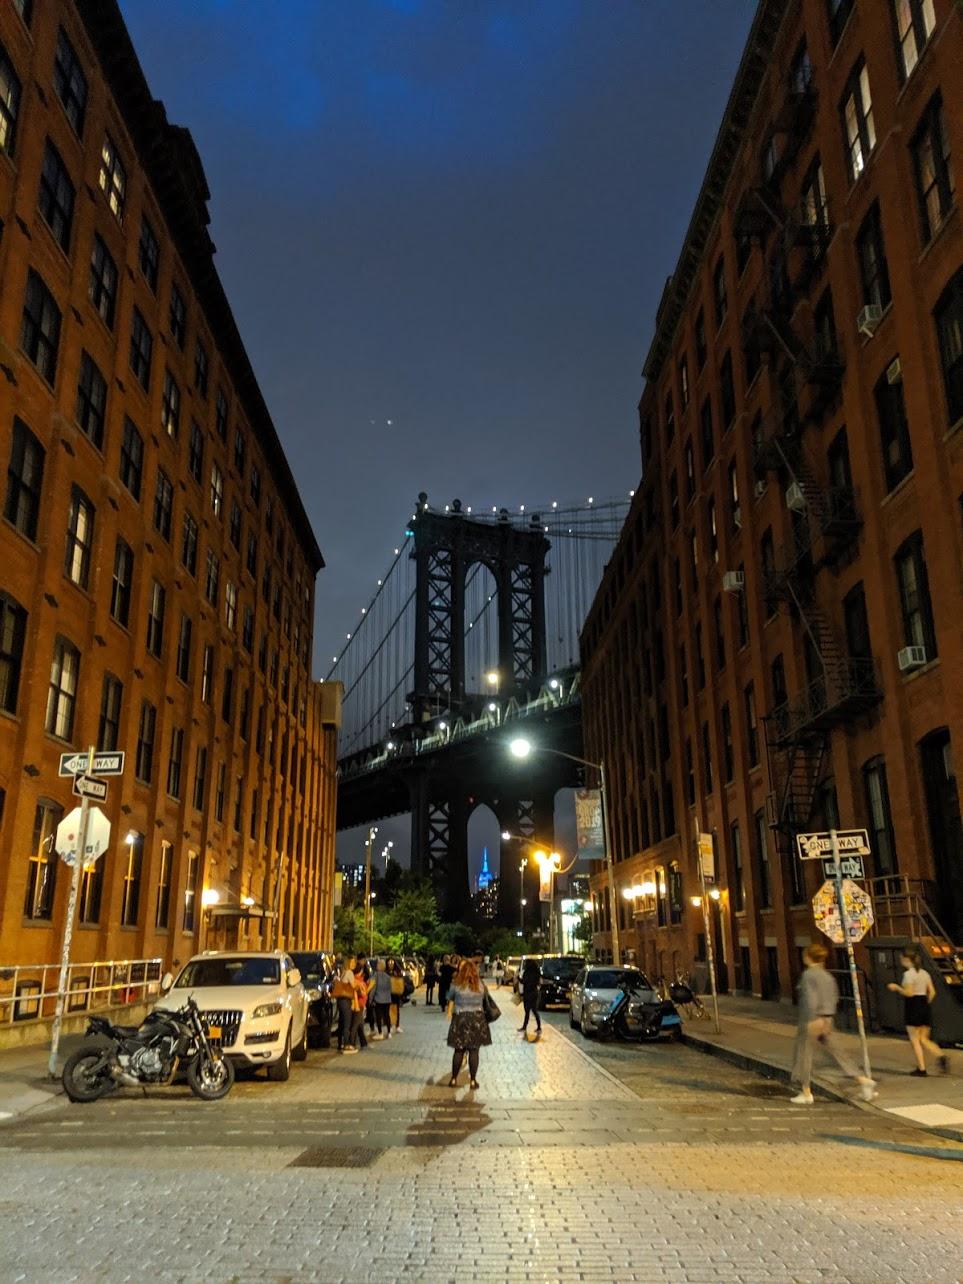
[24,1082]
[761,1036]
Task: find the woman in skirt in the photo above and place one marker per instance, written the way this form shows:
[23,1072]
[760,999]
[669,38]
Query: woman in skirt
[468,1030]
[918,993]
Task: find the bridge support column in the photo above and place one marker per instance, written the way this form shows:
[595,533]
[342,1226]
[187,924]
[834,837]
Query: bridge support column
[439,842]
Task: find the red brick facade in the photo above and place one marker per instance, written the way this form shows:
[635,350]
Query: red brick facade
[157,567]
[802,428]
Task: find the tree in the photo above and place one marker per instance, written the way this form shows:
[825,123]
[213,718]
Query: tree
[414,914]
[349,929]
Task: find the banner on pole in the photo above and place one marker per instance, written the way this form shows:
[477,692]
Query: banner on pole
[707,857]
[546,871]
[589,831]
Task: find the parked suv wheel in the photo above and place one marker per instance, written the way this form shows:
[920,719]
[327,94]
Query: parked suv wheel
[280,1071]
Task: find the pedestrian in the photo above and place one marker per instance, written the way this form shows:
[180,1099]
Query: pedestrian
[358,1040]
[381,1001]
[531,977]
[918,993]
[397,995]
[431,980]
[498,970]
[344,995]
[468,1028]
[363,966]
[818,1000]
[446,974]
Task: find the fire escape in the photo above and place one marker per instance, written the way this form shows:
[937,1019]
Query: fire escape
[799,343]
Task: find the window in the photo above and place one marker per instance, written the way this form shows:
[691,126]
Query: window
[245,718]
[163,505]
[195,452]
[252,554]
[882,840]
[732,496]
[9,103]
[40,328]
[719,631]
[689,459]
[838,12]
[837,461]
[70,82]
[148,253]
[720,301]
[80,538]
[699,659]
[189,544]
[111,697]
[130,894]
[727,392]
[762,859]
[915,21]
[713,529]
[857,624]
[113,178]
[240,452]
[141,349]
[207,674]
[914,594]
[238,802]
[230,606]
[752,726]
[13,630]
[825,343]
[738,872]
[893,430]
[62,693]
[949,327]
[266,583]
[932,168]
[56,200]
[24,481]
[728,755]
[178,316]
[201,364]
[146,731]
[800,70]
[212,577]
[742,610]
[706,760]
[269,517]
[162,913]
[25,9]
[220,414]
[684,382]
[700,339]
[42,863]
[132,458]
[674,499]
[174,762]
[217,489]
[219,792]
[184,635]
[690,784]
[777,682]
[247,633]
[234,524]
[102,289]
[751,352]
[857,113]
[227,695]
[200,777]
[872,259]
[190,891]
[91,891]
[155,618]
[120,588]
[171,406]
[91,400]
[707,434]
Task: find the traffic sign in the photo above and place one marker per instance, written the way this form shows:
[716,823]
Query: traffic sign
[104,764]
[90,787]
[816,846]
[67,839]
[849,867]
[858,912]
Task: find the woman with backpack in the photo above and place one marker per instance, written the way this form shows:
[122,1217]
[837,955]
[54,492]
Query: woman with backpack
[918,992]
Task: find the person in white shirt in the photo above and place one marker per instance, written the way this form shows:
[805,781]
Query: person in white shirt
[918,992]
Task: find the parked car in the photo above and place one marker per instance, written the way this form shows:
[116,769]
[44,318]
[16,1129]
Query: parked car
[556,974]
[254,1004]
[596,988]
[511,969]
[318,977]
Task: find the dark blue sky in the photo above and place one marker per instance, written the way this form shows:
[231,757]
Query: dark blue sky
[457,215]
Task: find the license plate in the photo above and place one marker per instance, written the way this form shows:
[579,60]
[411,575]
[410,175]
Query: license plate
[214,1031]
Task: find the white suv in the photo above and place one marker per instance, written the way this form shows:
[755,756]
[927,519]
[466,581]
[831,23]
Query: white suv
[254,1004]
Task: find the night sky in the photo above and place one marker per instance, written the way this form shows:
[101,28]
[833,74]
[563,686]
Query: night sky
[444,227]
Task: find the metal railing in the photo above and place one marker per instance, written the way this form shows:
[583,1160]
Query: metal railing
[28,991]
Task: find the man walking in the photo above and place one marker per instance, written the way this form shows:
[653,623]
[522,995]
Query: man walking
[818,1000]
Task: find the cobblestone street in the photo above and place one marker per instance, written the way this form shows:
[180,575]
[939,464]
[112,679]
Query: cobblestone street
[574,1161]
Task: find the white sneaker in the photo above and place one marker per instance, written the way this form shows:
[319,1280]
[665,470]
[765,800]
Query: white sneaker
[347,1051]
[374,1038]
[398,1030]
[867,1090]
[803,1099]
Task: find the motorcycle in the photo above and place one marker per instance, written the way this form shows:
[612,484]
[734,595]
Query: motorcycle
[637,1015]
[165,1046]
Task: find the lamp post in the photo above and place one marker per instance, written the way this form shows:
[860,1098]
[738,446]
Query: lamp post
[369,844]
[371,897]
[521,895]
[702,902]
[521,748]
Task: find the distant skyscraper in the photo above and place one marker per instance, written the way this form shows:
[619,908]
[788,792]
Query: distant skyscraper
[485,877]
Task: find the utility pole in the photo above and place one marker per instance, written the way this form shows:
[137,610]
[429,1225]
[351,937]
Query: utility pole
[75,878]
[853,974]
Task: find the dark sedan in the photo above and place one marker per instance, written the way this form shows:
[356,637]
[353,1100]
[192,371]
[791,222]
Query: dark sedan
[556,974]
[317,976]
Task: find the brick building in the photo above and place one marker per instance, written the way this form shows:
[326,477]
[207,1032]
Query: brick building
[157,567]
[776,645]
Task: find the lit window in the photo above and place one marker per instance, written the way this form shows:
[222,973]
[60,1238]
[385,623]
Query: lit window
[80,538]
[217,489]
[121,582]
[155,618]
[915,21]
[62,692]
[171,405]
[113,178]
[933,170]
[948,315]
[9,103]
[858,127]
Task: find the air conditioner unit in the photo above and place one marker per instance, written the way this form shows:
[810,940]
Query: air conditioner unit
[760,489]
[733,581]
[894,371]
[868,319]
[910,657]
[737,517]
[796,498]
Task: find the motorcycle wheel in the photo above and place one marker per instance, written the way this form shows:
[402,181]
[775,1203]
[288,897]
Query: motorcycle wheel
[210,1080]
[79,1081]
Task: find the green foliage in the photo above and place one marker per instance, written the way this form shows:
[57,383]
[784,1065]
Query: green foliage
[349,934]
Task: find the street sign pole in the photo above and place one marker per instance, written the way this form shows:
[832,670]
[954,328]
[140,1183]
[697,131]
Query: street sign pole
[710,956]
[76,875]
[853,974]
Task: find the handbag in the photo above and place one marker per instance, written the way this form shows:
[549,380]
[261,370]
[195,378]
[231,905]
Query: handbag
[490,1008]
[343,990]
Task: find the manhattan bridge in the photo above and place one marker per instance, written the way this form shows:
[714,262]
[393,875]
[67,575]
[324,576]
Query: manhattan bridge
[470,638]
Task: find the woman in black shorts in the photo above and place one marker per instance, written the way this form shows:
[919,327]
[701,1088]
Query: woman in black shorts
[918,993]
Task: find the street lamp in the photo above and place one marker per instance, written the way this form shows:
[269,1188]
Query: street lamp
[371,930]
[522,902]
[521,748]
[551,860]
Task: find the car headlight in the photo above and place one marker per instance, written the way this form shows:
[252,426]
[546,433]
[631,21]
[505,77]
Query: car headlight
[598,1006]
[266,1010]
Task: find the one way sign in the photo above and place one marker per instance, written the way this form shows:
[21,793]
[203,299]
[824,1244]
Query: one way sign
[104,764]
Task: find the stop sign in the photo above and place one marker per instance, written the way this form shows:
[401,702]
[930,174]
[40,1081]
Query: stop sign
[67,839]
